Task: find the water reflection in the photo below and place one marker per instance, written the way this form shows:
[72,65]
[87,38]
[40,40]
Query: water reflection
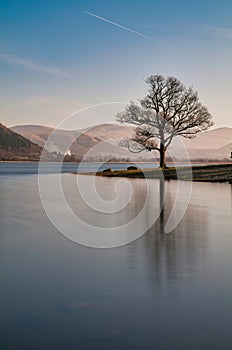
[177,254]
[162,207]
[164,290]
[231,193]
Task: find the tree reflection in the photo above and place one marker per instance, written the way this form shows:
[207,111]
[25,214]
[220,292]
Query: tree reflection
[180,254]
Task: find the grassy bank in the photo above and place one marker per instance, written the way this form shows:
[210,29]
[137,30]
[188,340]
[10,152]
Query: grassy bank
[205,173]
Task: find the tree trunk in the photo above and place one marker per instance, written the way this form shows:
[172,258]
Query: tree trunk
[162,156]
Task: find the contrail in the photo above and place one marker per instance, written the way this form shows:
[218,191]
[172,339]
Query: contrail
[123,27]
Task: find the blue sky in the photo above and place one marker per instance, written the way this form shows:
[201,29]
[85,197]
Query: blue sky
[55,58]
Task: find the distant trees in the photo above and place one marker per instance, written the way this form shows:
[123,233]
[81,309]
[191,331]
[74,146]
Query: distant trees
[12,140]
[169,110]
[15,147]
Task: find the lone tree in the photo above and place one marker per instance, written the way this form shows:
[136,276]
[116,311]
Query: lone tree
[169,109]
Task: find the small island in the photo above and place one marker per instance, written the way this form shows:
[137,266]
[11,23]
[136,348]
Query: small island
[203,173]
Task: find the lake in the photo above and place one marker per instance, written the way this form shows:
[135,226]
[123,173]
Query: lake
[162,291]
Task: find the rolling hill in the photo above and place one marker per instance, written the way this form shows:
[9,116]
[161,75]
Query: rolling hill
[16,147]
[103,139]
[100,141]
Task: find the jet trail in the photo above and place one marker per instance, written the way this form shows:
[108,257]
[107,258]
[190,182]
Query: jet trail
[123,27]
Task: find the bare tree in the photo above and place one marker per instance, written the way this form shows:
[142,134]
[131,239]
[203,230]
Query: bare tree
[169,109]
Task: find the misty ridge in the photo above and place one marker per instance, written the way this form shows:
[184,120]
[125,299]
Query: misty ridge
[103,141]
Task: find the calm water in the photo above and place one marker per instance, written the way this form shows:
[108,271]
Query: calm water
[29,168]
[162,291]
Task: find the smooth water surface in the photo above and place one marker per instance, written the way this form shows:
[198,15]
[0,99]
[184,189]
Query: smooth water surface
[29,168]
[162,291]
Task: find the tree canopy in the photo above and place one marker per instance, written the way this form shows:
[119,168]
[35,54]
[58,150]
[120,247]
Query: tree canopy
[169,110]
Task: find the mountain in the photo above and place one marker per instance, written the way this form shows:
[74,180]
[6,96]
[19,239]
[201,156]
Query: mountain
[97,139]
[211,139]
[16,147]
[39,134]
[103,141]
[213,144]
[115,131]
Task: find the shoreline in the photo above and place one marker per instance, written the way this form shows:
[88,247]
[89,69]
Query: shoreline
[132,162]
[202,173]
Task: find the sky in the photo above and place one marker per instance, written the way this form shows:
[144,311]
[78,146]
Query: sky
[58,57]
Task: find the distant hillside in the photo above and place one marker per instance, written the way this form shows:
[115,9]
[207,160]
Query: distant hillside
[39,135]
[103,140]
[111,131]
[16,147]
[211,139]
[81,141]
